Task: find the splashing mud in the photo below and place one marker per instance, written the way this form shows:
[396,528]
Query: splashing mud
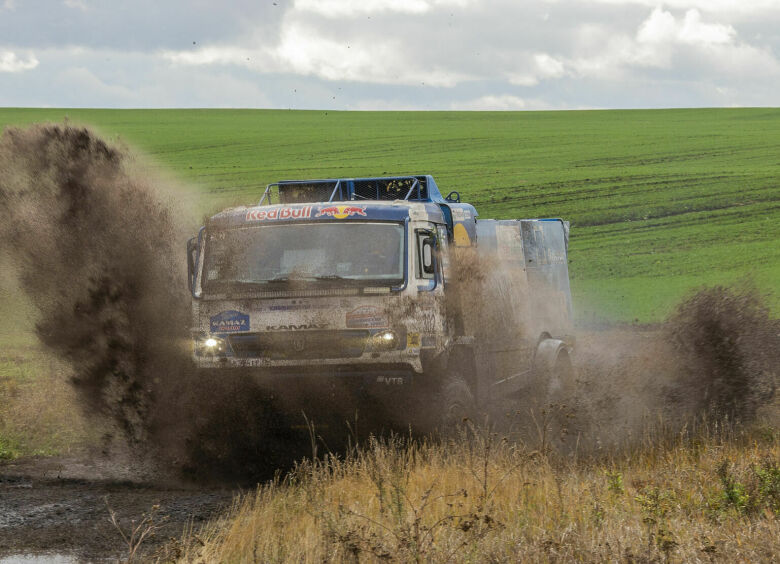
[98,248]
[94,247]
[729,351]
[715,358]
[97,244]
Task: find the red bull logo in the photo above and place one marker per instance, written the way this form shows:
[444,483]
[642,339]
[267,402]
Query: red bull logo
[258,214]
[340,212]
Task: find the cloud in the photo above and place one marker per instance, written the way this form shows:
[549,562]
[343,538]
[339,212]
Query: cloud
[741,7]
[83,77]
[663,27]
[485,103]
[215,55]
[305,50]
[380,105]
[382,60]
[10,62]
[684,45]
[76,4]
[353,8]
[542,66]
[422,54]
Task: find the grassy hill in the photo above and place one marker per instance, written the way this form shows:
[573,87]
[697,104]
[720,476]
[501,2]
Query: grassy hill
[660,201]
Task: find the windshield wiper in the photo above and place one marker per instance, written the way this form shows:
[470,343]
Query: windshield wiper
[336,278]
[331,277]
[249,283]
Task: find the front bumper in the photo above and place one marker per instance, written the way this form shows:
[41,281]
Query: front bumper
[397,365]
[328,351]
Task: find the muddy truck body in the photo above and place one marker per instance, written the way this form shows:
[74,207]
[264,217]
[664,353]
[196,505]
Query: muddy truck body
[383,287]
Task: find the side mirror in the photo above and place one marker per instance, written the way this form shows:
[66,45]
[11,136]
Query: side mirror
[427,255]
[192,259]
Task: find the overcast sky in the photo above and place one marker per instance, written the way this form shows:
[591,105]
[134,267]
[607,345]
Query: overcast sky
[390,54]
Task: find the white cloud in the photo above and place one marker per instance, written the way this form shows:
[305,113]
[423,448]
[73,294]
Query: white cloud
[663,27]
[346,54]
[382,60]
[664,41]
[737,7]
[352,8]
[76,4]
[380,105]
[103,78]
[214,55]
[542,66]
[10,62]
[486,103]
[304,50]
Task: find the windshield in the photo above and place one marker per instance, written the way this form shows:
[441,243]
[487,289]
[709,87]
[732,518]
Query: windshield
[354,253]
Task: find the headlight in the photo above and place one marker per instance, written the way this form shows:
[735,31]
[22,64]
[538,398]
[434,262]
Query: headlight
[210,345]
[385,340]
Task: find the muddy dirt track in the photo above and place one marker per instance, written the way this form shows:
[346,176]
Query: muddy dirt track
[60,505]
[625,376]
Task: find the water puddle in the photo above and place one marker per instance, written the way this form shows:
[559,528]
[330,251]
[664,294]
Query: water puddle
[42,558]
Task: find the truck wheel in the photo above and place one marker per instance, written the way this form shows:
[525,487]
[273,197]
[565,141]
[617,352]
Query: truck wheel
[565,418]
[555,372]
[457,406]
[561,381]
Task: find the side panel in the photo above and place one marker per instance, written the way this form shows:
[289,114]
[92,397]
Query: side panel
[546,263]
[501,320]
[524,292]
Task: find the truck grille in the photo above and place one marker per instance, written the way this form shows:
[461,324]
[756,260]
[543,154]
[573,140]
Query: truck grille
[300,345]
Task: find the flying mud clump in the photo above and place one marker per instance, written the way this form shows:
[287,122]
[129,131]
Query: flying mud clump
[93,246]
[728,347]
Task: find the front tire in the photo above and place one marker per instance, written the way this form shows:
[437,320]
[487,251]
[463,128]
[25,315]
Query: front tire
[457,406]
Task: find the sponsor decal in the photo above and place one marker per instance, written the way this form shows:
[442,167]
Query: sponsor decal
[340,212]
[366,317]
[295,327]
[260,214]
[390,380]
[229,322]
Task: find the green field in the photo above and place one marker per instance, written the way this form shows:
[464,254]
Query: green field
[660,201]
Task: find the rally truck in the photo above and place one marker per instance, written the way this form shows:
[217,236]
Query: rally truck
[386,289]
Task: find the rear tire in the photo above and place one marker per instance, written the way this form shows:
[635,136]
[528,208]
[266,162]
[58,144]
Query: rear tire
[563,416]
[561,388]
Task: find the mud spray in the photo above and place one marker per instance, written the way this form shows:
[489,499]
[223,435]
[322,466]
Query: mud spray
[715,360]
[98,248]
[97,245]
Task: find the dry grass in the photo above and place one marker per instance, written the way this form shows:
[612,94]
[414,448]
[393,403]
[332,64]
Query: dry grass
[39,411]
[713,495]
